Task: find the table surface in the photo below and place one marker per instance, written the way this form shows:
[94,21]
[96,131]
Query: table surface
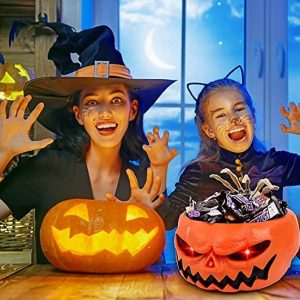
[157,282]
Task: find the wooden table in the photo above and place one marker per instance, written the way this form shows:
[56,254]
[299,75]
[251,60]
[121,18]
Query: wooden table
[43,282]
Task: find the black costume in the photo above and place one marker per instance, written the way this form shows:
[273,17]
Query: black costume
[280,167]
[51,177]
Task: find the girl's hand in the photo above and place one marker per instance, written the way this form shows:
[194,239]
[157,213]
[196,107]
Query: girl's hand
[146,194]
[158,150]
[14,128]
[293,116]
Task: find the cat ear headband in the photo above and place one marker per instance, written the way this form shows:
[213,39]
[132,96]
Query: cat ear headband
[239,67]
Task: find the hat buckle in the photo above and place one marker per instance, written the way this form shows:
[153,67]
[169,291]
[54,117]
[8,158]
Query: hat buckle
[99,71]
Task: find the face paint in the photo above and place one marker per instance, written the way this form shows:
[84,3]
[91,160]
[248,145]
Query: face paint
[105,113]
[229,121]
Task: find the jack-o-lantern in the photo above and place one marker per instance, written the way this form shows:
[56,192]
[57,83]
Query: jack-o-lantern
[235,257]
[12,80]
[95,236]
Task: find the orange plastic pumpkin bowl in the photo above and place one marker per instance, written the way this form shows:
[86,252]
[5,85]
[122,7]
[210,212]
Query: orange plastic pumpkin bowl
[93,236]
[235,257]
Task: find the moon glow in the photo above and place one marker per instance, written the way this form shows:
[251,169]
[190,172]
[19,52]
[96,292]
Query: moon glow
[151,54]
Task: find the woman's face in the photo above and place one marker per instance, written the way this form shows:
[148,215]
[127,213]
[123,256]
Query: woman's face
[229,121]
[105,112]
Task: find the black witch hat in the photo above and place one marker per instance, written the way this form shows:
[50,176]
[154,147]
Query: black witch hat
[100,63]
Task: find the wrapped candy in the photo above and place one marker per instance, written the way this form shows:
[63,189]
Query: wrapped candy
[239,204]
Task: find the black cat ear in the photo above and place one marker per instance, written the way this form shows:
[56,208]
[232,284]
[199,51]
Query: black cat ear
[204,84]
[190,91]
[242,73]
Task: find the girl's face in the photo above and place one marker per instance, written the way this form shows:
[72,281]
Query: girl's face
[229,121]
[105,112]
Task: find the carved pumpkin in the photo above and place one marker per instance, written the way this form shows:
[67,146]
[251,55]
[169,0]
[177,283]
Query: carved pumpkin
[235,257]
[95,236]
[12,80]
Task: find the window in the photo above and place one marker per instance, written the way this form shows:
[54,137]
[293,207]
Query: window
[185,40]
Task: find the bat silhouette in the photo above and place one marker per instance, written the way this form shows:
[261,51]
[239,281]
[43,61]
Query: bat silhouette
[42,23]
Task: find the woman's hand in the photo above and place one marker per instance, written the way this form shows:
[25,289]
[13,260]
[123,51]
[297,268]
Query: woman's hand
[158,150]
[147,194]
[14,128]
[293,116]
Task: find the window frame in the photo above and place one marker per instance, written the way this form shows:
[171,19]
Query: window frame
[266,28]
[266,53]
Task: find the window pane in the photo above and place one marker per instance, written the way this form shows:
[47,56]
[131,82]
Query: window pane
[293,85]
[150,41]
[192,140]
[214,40]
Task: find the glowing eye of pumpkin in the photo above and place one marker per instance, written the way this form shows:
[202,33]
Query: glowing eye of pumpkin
[79,210]
[7,79]
[250,252]
[186,248]
[134,212]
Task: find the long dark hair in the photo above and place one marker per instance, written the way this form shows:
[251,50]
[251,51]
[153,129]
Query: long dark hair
[209,148]
[73,137]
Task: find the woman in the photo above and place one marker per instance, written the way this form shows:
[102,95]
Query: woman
[97,118]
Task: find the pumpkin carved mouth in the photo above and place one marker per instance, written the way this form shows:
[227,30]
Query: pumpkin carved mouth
[114,242]
[256,273]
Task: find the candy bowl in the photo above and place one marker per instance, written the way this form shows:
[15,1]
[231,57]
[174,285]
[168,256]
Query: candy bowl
[221,244]
[237,256]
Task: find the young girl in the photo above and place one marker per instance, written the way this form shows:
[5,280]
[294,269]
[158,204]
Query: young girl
[97,117]
[225,117]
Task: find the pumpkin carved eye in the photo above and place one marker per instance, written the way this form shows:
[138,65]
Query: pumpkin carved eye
[250,252]
[186,248]
[134,212]
[7,79]
[79,210]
